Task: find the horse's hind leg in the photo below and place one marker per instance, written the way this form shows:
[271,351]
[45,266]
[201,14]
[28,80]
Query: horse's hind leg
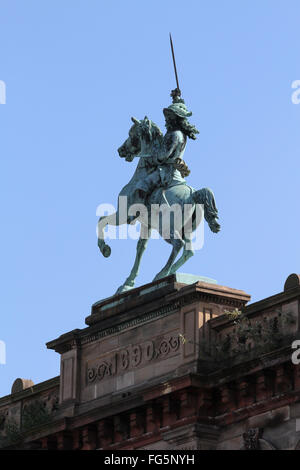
[140,248]
[187,254]
[177,244]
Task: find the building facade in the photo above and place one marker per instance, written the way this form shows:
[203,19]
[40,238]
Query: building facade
[178,364]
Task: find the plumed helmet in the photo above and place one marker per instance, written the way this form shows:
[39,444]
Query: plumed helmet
[178,108]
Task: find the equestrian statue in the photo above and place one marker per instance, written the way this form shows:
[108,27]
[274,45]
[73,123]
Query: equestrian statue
[157,184]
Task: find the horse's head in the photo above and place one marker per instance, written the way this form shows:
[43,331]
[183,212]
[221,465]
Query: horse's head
[132,145]
[141,135]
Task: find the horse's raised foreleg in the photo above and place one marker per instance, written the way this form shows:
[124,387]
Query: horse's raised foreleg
[103,247]
[113,219]
[140,248]
[177,244]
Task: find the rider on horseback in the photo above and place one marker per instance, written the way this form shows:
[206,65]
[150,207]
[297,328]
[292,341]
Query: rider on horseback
[159,178]
[164,167]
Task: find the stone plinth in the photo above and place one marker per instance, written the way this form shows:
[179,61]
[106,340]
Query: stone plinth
[141,338]
[170,366]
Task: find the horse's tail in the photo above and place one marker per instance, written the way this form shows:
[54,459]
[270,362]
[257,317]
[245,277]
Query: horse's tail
[206,197]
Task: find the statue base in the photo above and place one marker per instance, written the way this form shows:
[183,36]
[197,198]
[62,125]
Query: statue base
[164,367]
[118,299]
[138,347]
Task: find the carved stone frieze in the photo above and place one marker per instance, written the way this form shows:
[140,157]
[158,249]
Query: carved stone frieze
[131,357]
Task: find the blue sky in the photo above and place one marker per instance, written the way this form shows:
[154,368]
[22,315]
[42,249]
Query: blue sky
[76,71]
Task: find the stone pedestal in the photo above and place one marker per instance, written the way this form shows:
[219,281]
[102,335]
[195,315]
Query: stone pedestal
[139,340]
[164,367]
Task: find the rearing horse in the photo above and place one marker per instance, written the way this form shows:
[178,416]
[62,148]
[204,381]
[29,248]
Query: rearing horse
[144,139]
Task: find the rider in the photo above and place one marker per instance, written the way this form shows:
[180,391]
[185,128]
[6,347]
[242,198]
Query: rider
[165,166]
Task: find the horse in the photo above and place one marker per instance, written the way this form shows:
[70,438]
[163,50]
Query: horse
[143,140]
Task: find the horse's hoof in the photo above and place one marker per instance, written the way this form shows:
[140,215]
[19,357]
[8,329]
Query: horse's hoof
[160,276]
[106,251]
[123,288]
[215,227]
[172,271]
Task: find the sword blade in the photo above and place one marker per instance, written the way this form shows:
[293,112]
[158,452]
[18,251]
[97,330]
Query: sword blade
[174,62]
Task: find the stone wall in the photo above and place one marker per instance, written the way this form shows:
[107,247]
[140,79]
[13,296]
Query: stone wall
[170,365]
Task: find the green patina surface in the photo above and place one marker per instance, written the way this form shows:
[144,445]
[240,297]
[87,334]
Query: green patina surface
[192,278]
[159,181]
[181,278]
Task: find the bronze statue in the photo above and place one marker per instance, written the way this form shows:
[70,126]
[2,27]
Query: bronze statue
[159,181]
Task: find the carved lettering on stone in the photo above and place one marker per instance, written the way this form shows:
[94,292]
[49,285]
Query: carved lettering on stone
[131,357]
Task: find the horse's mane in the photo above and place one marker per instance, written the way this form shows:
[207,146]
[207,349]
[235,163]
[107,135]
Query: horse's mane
[145,130]
[150,131]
